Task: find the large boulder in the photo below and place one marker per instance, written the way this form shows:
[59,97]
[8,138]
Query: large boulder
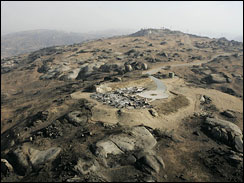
[150,163]
[137,138]
[73,74]
[144,66]
[76,117]
[6,167]
[108,67]
[105,147]
[128,68]
[216,78]
[85,71]
[37,157]
[224,131]
[88,69]
[144,138]
[87,166]
[101,88]
[25,158]
[18,159]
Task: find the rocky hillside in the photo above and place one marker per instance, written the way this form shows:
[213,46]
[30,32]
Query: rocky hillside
[76,112]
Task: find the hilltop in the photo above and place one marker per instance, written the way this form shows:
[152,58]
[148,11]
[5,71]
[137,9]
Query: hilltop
[77,112]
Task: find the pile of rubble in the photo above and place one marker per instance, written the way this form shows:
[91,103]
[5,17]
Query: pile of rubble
[123,98]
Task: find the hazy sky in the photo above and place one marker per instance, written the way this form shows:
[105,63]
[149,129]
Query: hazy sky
[220,18]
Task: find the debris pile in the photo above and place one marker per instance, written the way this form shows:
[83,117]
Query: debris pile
[123,98]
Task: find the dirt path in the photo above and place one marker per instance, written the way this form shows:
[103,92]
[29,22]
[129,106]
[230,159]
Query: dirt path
[221,100]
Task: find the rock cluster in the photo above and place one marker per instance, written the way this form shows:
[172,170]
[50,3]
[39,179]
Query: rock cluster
[224,131]
[217,157]
[7,64]
[139,142]
[122,98]
[205,99]
[38,118]
[134,65]
[51,131]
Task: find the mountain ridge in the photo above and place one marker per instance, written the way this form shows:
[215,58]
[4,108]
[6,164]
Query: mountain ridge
[16,43]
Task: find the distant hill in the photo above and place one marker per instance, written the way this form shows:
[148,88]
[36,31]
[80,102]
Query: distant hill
[27,41]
